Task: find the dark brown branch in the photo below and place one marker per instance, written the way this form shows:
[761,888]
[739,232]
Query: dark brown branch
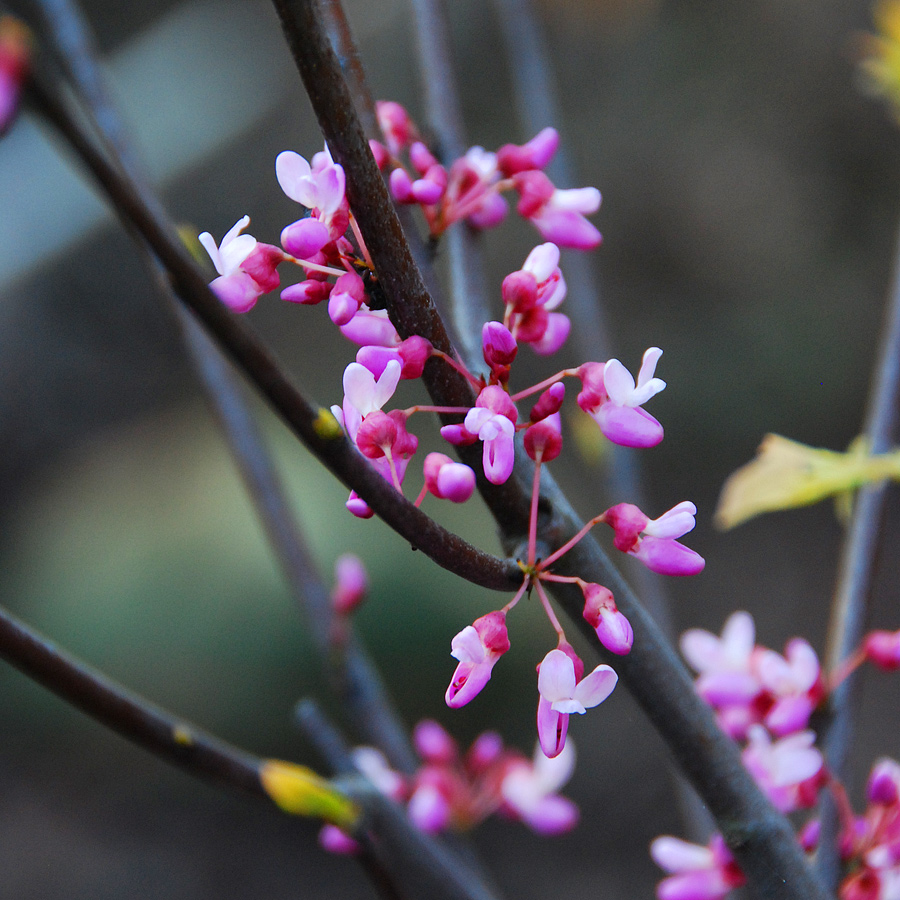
[135,718]
[762,839]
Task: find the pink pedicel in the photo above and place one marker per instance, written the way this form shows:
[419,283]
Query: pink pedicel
[477,647]
[563,693]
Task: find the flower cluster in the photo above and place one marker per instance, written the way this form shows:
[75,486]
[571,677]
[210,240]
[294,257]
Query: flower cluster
[327,245]
[472,187]
[765,701]
[455,791]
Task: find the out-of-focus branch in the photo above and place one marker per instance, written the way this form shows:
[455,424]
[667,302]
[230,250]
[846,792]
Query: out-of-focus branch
[762,840]
[850,605]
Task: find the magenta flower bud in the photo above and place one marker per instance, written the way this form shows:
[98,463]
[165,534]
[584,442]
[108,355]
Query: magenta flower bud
[458,435]
[544,439]
[628,522]
[883,649]
[395,124]
[351,583]
[490,213]
[601,613]
[536,154]
[668,557]
[433,744]
[549,402]
[380,152]
[498,345]
[401,186]
[15,52]
[309,292]
[567,228]
[519,291]
[371,327]
[884,783]
[305,237]
[484,752]
[260,266]
[375,359]
[421,158]
[332,839]
[347,295]
[430,189]
[356,505]
[448,480]
[377,432]
[535,190]
[414,352]
[629,426]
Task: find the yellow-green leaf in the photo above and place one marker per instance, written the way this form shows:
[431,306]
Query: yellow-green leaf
[787,474]
[301,792]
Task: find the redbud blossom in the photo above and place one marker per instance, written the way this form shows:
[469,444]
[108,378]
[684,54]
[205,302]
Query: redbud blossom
[318,186]
[602,614]
[395,124]
[529,790]
[787,770]
[15,50]
[433,744]
[549,402]
[246,268]
[559,215]
[652,541]
[562,694]
[536,154]
[883,787]
[697,872]
[493,421]
[477,647]
[448,480]
[793,683]
[350,583]
[470,190]
[883,649]
[612,398]
[347,296]
[499,349]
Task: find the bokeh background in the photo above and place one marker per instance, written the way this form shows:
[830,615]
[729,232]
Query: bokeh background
[750,208]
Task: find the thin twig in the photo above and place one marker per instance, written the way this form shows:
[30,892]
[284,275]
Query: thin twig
[850,606]
[761,838]
[135,718]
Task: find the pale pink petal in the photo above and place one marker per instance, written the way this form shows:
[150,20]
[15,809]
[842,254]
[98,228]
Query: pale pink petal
[552,727]
[556,677]
[627,426]
[542,261]
[593,689]
[676,855]
[467,646]
[293,174]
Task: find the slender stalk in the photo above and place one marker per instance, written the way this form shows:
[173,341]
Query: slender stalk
[761,838]
[850,606]
[135,718]
[314,426]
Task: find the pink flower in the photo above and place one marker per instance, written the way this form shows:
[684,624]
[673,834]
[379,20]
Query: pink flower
[395,124]
[559,215]
[787,770]
[562,694]
[652,541]
[493,421]
[612,398]
[477,647]
[471,192]
[363,394]
[529,790]
[727,679]
[318,186]
[246,268]
[697,872]
[794,684]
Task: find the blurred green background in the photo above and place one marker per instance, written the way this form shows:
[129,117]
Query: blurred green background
[749,216]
